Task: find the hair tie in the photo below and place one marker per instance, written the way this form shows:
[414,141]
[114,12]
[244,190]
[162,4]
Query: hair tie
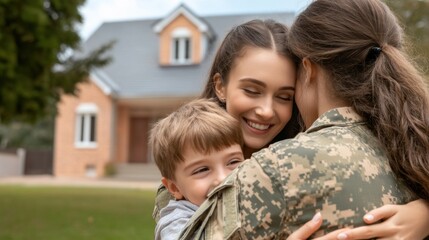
[373,54]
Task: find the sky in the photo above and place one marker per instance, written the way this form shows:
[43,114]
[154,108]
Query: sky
[95,12]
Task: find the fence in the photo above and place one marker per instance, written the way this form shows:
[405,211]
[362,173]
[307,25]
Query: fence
[38,162]
[17,162]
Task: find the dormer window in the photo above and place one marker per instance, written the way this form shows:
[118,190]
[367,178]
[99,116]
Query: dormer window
[184,38]
[181,46]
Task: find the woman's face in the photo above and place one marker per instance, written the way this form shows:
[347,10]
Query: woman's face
[259,93]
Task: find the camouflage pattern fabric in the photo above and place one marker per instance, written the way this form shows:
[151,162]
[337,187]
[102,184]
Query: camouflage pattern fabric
[163,196]
[337,167]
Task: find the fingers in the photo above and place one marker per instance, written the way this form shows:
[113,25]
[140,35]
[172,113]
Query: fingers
[309,228]
[357,233]
[332,235]
[367,232]
[380,213]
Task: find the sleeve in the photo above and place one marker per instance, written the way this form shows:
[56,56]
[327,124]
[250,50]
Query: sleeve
[247,205]
[261,196]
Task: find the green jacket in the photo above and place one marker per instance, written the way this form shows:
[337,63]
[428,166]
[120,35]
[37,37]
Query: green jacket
[337,167]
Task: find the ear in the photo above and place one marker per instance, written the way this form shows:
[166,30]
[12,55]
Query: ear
[310,70]
[172,188]
[219,87]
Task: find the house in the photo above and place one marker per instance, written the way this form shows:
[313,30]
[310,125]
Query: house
[158,64]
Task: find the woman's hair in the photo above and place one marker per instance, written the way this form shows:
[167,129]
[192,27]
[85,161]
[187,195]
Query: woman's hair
[265,34]
[201,125]
[360,45]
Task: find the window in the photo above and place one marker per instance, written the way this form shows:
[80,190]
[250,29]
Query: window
[86,126]
[181,46]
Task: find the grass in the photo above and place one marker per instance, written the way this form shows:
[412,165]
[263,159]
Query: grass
[52,213]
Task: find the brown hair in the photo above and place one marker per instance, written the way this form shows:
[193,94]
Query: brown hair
[266,34]
[200,124]
[360,45]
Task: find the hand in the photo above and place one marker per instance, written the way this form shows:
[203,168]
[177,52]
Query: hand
[410,221]
[307,229]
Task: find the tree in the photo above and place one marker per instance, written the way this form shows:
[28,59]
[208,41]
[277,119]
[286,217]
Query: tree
[414,15]
[35,38]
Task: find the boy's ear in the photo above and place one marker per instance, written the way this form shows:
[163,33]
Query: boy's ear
[172,188]
[219,87]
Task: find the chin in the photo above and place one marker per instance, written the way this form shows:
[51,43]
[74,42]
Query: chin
[256,146]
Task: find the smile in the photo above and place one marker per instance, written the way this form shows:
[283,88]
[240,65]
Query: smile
[258,126]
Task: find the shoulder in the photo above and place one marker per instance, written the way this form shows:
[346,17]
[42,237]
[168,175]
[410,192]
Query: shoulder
[327,142]
[173,219]
[176,210]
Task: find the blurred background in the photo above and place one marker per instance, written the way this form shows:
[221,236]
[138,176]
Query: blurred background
[81,82]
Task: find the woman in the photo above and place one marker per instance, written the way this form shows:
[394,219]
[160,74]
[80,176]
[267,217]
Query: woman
[341,96]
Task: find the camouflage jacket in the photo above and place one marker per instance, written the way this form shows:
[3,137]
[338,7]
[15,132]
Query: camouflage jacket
[337,167]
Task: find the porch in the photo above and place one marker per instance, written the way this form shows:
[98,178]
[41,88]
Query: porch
[137,172]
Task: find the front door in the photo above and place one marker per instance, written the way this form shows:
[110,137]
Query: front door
[138,140]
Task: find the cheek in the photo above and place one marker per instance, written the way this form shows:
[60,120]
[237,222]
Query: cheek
[237,104]
[285,113]
[198,193]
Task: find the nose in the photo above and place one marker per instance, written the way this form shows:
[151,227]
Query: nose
[219,177]
[265,109]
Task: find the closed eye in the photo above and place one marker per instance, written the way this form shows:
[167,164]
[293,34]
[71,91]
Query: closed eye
[200,170]
[285,98]
[250,91]
[234,162]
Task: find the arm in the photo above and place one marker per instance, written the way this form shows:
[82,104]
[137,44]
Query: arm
[409,221]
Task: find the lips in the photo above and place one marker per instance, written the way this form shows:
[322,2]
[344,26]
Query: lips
[258,126]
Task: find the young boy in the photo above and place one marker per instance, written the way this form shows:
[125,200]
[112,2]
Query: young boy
[195,148]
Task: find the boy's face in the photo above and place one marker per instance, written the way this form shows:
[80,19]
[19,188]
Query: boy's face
[200,173]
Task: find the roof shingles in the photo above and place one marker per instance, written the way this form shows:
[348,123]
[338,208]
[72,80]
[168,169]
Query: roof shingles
[135,68]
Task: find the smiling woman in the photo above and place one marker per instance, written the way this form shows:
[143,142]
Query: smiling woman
[253,77]
[259,93]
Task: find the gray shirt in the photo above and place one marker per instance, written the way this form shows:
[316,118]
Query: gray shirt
[173,219]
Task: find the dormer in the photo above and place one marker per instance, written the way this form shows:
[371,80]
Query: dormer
[184,38]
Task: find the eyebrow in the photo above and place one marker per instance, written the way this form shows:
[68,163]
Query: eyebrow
[199,161]
[192,165]
[262,84]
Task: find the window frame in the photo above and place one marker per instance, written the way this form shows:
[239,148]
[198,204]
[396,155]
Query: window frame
[181,46]
[86,126]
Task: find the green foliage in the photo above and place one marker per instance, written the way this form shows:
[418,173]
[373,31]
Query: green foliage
[70,213]
[38,135]
[35,37]
[110,169]
[414,15]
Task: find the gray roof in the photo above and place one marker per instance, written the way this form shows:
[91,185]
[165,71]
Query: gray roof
[135,71]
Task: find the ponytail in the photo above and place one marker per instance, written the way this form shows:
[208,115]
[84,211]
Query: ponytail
[400,117]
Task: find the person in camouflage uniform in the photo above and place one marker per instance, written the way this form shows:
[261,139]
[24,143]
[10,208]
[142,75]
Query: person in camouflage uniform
[366,111]
[283,186]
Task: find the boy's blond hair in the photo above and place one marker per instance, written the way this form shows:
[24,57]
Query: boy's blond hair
[200,124]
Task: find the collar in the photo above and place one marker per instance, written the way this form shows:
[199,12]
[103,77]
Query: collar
[336,117]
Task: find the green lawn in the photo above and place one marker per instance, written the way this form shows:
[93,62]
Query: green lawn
[62,213]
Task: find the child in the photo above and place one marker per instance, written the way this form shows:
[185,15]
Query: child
[195,148]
